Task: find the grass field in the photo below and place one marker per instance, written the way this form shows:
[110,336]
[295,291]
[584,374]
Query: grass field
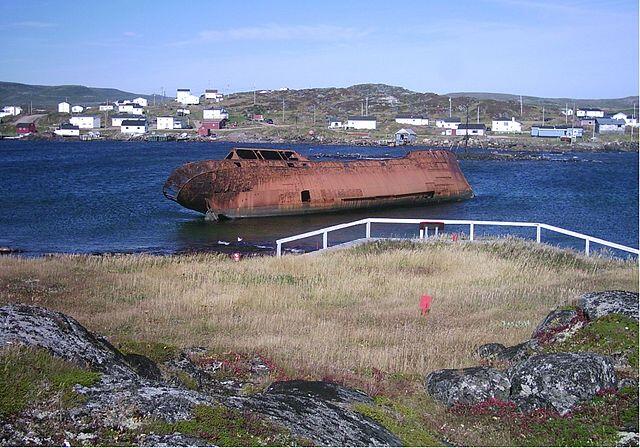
[339,314]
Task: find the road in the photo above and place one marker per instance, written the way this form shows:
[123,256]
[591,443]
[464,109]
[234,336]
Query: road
[30,118]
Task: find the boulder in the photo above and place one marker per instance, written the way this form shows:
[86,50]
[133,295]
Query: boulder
[319,411]
[560,380]
[468,386]
[63,337]
[514,353]
[598,304]
[558,325]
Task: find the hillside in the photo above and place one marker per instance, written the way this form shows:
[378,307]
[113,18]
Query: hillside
[604,103]
[49,96]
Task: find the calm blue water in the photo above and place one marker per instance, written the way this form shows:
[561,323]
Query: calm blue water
[107,197]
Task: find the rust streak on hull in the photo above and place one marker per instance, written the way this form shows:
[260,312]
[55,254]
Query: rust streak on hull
[254,182]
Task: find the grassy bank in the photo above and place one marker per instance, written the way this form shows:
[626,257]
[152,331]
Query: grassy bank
[343,314]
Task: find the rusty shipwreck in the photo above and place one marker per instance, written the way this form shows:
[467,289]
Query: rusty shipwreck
[252,182]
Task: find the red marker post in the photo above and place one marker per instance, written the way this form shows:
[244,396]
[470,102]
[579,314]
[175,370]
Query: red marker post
[425,304]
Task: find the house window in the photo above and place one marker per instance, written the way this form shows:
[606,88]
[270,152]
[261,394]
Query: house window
[305,196]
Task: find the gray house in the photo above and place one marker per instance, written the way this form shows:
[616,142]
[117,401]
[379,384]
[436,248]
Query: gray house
[609,125]
[405,137]
[556,131]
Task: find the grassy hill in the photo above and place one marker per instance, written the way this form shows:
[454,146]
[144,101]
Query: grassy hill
[49,96]
[618,104]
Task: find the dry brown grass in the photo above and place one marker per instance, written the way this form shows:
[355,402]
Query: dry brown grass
[346,311]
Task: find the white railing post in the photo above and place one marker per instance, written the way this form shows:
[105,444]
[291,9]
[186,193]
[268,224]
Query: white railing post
[368,230]
[324,240]
[586,246]
[471,226]
[278,249]
[538,233]
[421,233]
[436,231]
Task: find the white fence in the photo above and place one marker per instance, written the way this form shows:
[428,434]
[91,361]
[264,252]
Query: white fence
[425,224]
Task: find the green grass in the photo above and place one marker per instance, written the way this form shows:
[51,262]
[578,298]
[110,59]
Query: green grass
[611,334]
[29,376]
[155,351]
[403,420]
[227,427]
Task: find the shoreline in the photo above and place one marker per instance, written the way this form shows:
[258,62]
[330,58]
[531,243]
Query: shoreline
[506,143]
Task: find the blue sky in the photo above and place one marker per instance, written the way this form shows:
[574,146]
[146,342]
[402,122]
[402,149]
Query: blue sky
[584,49]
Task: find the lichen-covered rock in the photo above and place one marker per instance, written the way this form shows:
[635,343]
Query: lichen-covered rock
[560,380]
[63,336]
[512,354]
[175,439]
[558,325]
[468,386]
[318,411]
[598,304]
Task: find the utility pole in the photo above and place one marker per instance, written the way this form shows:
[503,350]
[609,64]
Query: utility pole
[314,114]
[520,106]
[362,108]
[543,115]
[254,94]
[366,107]
[566,113]
[282,110]
[449,107]
[478,117]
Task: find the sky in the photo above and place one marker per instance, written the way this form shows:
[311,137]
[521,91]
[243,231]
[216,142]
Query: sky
[551,48]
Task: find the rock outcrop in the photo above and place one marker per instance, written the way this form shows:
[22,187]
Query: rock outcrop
[560,380]
[532,378]
[132,389]
[468,386]
[598,304]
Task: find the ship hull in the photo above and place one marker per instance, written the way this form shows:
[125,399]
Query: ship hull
[262,188]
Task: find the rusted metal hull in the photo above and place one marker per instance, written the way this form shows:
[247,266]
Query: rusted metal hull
[252,188]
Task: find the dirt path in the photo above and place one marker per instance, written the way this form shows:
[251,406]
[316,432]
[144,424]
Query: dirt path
[30,118]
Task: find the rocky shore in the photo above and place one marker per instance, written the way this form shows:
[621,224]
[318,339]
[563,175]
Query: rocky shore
[183,398]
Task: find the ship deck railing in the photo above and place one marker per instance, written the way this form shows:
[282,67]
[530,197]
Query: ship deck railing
[436,224]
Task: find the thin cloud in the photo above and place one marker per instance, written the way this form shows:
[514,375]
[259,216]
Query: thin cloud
[33,24]
[130,34]
[279,32]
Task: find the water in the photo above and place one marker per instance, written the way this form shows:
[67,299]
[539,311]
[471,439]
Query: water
[86,197]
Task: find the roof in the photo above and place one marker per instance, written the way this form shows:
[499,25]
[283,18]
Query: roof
[361,118]
[131,116]
[451,120]
[134,122]
[25,125]
[184,90]
[414,117]
[406,131]
[504,119]
[68,126]
[610,121]
[555,127]
[472,126]
[211,90]
[591,109]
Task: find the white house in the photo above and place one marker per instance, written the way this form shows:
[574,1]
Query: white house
[64,107]
[505,125]
[410,119]
[67,130]
[131,108]
[141,101]
[116,120]
[135,126]
[182,112]
[10,111]
[105,107]
[448,123]
[213,95]
[184,96]
[357,122]
[218,113]
[334,123]
[568,112]
[469,129]
[85,122]
[590,112]
[170,123]
[77,109]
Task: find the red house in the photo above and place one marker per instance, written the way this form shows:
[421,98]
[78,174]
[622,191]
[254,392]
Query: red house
[26,128]
[207,125]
